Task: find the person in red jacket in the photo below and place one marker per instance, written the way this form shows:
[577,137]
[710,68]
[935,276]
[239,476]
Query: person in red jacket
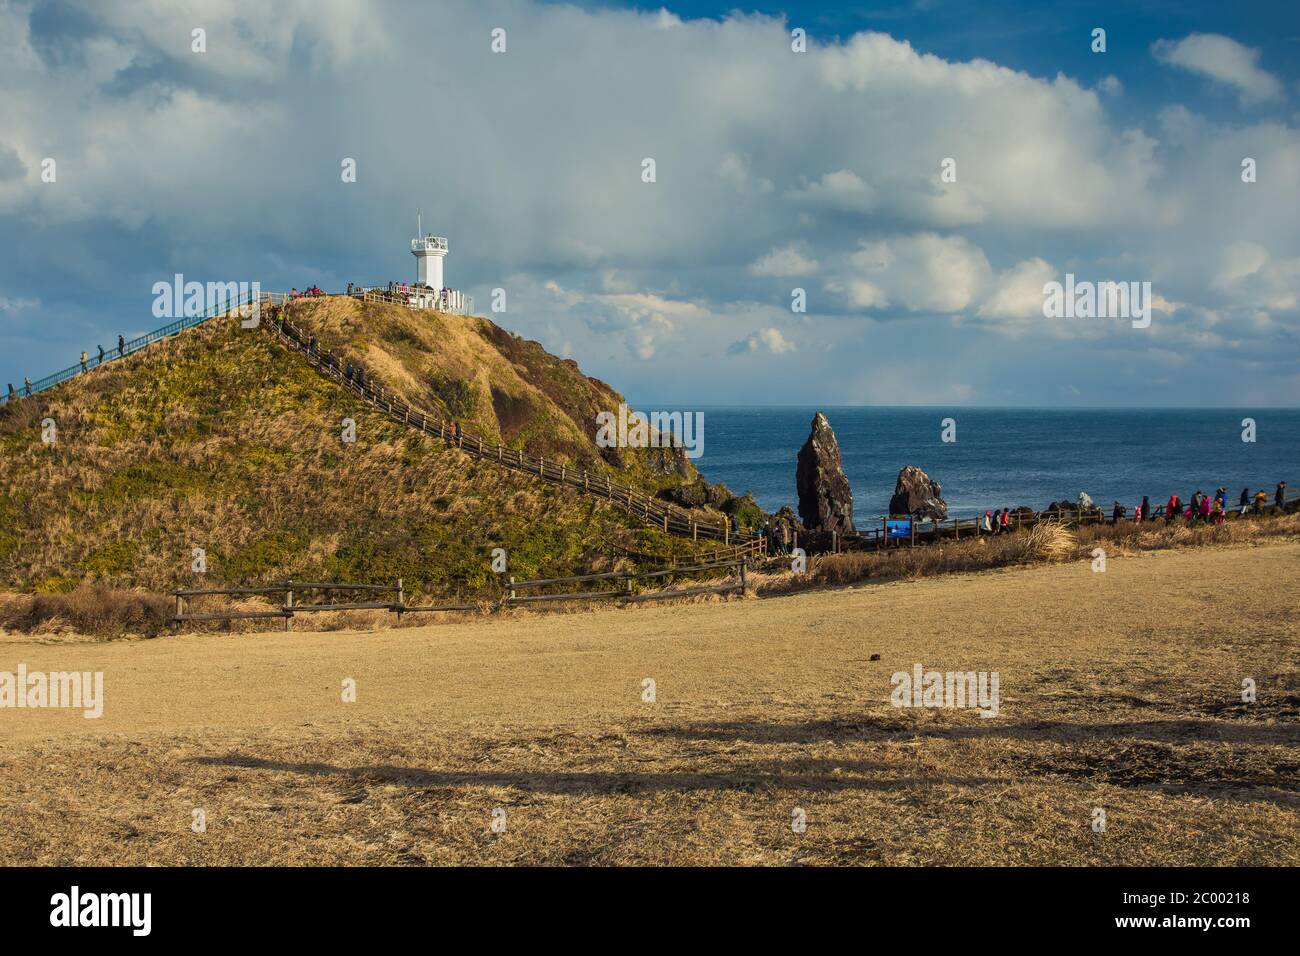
[1174,508]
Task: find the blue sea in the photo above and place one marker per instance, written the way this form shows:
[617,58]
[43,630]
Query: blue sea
[1006,457]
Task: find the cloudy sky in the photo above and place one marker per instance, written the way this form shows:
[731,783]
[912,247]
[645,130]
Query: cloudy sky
[775,170]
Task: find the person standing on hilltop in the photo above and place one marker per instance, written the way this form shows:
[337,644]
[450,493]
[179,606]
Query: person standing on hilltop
[101,354]
[1173,507]
[1004,522]
[83,361]
[27,386]
[1144,511]
[1245,500]
[1279,496]
[1260,497]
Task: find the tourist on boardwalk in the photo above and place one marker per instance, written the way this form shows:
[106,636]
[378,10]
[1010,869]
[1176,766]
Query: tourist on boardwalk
[83,361]
[101,354]
[1245,500]
[1279,497]
[455,432]
[986,522]
[1004,522]
[1144,510]
[1261,497]
[1173,507]
[1218,510]
[27,386]
[121,347]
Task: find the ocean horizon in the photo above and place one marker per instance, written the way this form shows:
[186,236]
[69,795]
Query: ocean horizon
[1004,456]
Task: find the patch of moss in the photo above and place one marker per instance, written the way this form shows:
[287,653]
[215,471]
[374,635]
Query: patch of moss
[113,560]
[55,585]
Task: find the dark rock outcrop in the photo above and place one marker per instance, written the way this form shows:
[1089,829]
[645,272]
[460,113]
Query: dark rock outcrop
[918,495]
[698,494]
[1083,505]
[825,498]
[785,529]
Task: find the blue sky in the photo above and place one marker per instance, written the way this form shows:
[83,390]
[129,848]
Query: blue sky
[775,171]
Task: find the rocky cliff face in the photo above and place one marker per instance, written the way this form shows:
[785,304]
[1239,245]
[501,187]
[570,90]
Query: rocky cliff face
[917,494]
[825,498]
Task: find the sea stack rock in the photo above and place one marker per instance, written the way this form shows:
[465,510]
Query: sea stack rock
[917,494]
[825,498]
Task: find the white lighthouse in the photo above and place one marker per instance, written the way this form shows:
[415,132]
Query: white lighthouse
[428,292]
[429,252]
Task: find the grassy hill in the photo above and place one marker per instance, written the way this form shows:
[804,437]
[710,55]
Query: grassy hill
[498,385]
[222,439]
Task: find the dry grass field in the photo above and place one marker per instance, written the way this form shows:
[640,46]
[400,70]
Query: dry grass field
[1118,690]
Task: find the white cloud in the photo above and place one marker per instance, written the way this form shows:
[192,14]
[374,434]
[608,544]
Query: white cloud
[1019,292]
[769,338]
[924,272]
[1222,60]
[843,190]
[785,261]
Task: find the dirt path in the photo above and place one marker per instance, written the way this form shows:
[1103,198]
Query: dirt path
[1119,690]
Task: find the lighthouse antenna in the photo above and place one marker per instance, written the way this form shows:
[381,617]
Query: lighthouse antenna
[419,226]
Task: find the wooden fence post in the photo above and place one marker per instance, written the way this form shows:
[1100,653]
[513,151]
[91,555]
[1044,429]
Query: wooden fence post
[288,606]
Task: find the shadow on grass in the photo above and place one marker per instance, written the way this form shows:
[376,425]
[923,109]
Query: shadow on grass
[872,728]
[812,774]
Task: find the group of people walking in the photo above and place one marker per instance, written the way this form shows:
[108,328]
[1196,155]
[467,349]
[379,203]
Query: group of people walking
[996,522]
[1213,510]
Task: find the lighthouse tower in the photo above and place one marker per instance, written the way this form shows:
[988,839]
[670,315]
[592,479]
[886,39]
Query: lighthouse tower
[428,251]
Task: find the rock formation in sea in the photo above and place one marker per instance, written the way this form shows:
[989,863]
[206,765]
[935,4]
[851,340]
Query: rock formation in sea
[918,495]
[825,498]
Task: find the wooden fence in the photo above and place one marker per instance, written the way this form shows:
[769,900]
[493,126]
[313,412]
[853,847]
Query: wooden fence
[289,608]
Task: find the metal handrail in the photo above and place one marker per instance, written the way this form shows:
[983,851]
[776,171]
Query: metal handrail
[135,345]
